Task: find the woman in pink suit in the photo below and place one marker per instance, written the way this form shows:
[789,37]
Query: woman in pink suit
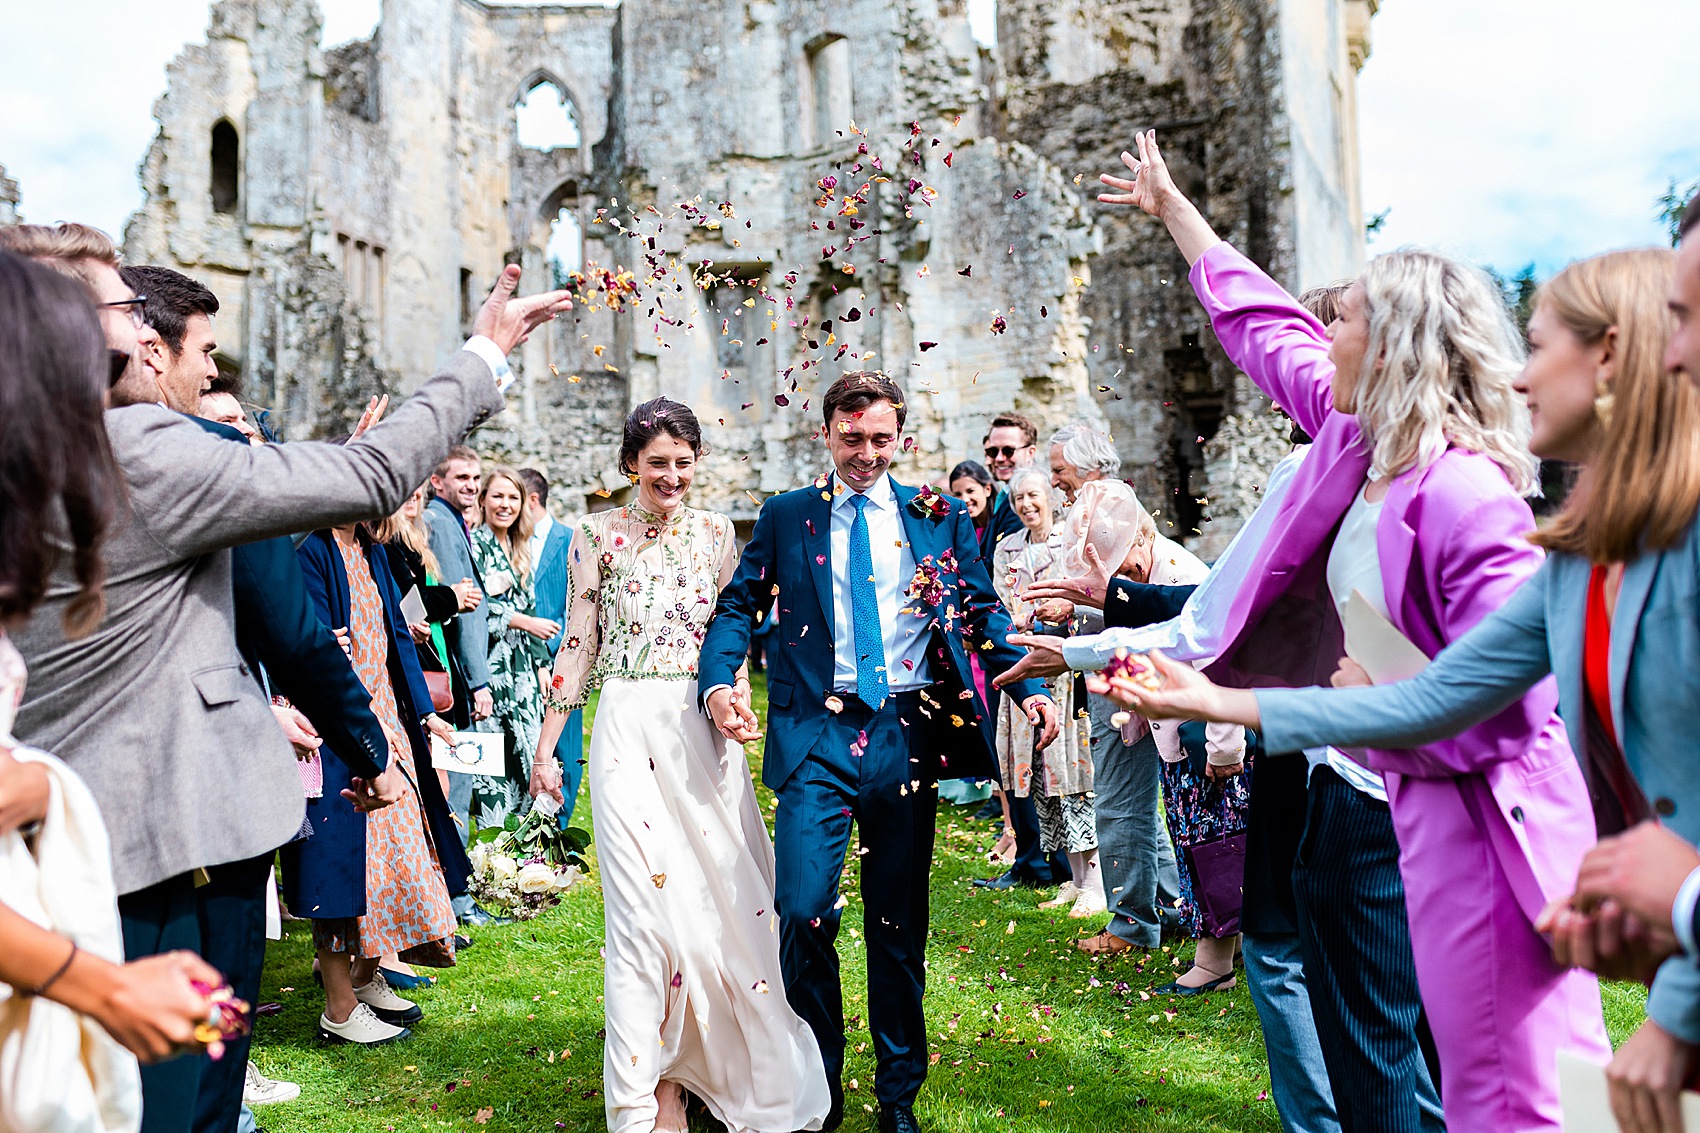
[1412,497]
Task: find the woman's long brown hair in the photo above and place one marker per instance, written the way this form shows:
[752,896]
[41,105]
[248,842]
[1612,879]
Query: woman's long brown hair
[1642,489]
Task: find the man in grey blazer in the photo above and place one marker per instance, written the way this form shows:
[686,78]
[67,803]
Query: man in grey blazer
[156,709]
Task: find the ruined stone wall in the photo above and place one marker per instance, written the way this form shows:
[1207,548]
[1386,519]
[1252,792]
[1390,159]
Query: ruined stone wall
[383,186]
[10,199]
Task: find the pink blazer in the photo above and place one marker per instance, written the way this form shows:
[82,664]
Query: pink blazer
[1453,548]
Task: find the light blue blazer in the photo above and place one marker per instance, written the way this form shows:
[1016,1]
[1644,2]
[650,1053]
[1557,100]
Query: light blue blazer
[1655,699]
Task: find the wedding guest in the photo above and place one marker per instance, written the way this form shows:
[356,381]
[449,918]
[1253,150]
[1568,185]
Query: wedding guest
[375,885]
[1204,800]
[501,550]
[164,662]
[1136,854]
[1057,780]
[62,491]
[549,543]
[973,485]
[454,488]
[1411,501]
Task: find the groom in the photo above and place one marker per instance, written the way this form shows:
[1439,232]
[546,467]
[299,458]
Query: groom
[882,593]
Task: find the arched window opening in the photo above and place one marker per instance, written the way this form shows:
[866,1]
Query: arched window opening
[545,119]
[826,91]
[565,251]
[226,167]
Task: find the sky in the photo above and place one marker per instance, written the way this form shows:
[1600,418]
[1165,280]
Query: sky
[1507,131]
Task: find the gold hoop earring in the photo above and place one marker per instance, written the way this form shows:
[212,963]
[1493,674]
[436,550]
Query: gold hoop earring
[633,477]
[1604,402]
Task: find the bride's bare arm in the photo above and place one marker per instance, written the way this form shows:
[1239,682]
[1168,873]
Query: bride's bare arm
[574,660]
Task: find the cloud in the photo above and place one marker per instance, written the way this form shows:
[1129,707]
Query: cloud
[1527,131]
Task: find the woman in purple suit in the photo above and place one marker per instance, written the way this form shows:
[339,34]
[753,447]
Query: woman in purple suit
[1412,500]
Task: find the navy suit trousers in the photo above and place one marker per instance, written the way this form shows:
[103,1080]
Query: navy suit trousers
[892,804]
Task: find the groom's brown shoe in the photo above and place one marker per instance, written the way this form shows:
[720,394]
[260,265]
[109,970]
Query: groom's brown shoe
[898,1119]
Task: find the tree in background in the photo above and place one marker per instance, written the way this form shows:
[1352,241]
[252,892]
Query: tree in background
[1671,205]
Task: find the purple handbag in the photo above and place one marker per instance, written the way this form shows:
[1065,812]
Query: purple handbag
[1218,879]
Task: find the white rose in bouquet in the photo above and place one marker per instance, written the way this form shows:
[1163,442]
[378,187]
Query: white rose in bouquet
[536,877]
[503,868]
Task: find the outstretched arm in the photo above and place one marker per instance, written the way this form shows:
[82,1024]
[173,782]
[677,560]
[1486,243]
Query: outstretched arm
[1278,344]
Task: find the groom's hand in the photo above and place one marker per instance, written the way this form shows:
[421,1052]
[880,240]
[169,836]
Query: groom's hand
[733,716]
[1042,712]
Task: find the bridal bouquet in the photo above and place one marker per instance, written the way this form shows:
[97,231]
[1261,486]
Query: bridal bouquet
[523,866]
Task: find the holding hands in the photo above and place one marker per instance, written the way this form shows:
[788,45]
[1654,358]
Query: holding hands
[729,709]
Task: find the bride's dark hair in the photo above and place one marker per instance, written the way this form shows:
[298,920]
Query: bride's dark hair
[652,419]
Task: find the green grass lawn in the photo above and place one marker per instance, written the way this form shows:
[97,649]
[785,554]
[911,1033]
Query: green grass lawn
[1028,1034]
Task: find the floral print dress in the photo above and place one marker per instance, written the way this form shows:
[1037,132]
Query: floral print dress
[515,660]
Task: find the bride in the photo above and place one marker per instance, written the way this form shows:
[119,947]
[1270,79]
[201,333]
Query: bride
[693,991]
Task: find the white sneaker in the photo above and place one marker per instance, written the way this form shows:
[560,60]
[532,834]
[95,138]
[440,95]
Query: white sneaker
[390,1007]
[363,1026]
[1090,903]
[257,1089]
[1067,894]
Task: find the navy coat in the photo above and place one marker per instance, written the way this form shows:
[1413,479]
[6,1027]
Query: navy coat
[790,550]
[327,877]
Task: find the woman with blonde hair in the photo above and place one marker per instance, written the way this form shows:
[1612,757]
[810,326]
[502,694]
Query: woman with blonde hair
[1409,509]
[1610,614]
[518,641]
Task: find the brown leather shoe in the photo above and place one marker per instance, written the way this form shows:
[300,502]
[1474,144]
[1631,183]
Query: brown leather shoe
[1104,945]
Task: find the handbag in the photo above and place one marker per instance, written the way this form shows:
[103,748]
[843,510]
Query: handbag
[60,1070]
[437,680]
[1218,882]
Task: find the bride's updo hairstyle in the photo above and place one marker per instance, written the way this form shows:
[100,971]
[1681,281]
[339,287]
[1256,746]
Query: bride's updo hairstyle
[652,419]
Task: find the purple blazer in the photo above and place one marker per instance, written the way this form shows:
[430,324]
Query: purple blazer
[1452,542]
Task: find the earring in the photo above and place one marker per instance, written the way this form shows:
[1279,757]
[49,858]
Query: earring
[1604,401]
[633,477]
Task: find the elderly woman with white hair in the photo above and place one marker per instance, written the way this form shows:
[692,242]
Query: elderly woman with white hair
[1059,778]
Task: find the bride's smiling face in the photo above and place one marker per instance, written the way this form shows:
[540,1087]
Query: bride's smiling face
[664,469]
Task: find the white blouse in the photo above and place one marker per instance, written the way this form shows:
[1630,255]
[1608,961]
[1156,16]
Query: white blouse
[1354,563]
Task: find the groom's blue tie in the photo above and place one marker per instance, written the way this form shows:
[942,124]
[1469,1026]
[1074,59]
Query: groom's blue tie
[871,682]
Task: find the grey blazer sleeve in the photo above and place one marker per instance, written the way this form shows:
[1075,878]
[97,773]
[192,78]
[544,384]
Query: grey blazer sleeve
[1471,680]
[472,629]
[1674,1001]
[196,493]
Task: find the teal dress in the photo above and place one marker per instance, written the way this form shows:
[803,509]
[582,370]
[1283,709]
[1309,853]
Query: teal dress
[515,658]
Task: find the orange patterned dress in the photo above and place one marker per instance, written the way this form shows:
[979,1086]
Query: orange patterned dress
[407,902]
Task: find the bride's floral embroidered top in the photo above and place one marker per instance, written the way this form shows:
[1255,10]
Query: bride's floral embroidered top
[643,590]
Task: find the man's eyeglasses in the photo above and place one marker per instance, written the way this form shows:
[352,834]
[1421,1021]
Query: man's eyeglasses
[132,307]
[1007,451]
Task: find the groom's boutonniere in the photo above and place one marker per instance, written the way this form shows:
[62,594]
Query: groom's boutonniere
[928,502]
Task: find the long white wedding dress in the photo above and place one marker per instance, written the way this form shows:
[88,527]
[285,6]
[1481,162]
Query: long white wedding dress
[693,990]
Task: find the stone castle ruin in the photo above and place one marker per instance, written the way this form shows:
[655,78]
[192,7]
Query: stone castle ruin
[759,195]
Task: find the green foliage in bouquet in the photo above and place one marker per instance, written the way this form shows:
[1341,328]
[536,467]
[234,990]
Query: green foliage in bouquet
[523,866]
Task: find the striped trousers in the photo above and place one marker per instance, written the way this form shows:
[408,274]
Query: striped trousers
[1358,966]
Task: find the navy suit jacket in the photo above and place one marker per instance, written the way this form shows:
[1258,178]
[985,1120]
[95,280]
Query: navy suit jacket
[550,582]
[1132,605]
[276,627]
[789,554]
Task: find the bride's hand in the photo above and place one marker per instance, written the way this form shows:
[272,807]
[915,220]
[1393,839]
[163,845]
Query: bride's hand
[546,778]
[732,716]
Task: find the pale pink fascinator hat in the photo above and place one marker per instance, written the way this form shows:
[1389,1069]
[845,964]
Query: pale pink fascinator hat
[1109,518]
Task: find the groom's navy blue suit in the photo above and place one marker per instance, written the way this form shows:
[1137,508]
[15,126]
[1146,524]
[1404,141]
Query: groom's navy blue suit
[879,768]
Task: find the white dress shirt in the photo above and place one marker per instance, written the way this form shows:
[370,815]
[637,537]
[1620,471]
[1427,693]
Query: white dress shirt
[539,537]
[906,629]
[1196,633]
